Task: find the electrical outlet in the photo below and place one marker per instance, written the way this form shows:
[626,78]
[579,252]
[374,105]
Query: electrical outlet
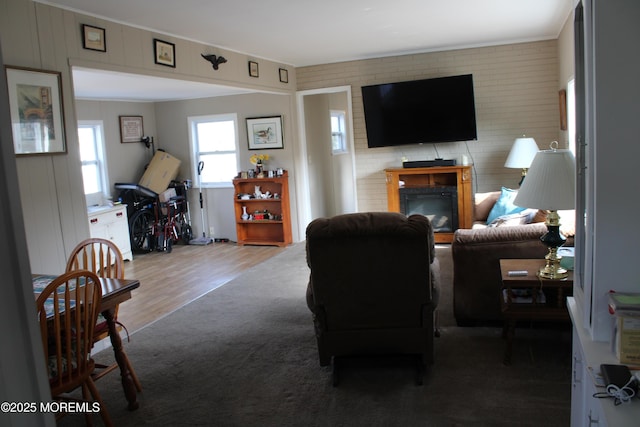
[211,231]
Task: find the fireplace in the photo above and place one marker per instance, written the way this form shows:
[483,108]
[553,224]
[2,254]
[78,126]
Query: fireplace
[453,180]
[439,204]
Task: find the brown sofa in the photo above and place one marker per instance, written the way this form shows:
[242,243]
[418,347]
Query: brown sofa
[373,285]
[476,253]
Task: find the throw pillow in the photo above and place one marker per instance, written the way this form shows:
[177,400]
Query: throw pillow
[518,218]
[504,205]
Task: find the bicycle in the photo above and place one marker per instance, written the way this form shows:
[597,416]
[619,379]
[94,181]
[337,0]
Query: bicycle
[171,223]
[148,225]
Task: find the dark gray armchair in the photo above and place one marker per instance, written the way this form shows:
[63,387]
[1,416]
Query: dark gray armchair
[373,286]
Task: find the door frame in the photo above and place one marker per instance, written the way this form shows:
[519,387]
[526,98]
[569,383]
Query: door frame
[303,190]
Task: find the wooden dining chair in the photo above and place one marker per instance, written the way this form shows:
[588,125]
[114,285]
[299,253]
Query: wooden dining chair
[67,311]
[104,258]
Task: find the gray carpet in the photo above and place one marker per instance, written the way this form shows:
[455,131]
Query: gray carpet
[245,355]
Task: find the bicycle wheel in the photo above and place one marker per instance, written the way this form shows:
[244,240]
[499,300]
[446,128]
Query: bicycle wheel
[141,231]
[186,234]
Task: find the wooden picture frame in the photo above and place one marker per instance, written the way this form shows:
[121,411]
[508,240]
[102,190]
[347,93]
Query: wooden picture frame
[164,53]
[562,98]
[265,133]
[37,112]
[284,75]
[253,69]
[131,129]
[93,38]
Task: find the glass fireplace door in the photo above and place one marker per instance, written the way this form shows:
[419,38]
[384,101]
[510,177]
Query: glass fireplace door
[439,204]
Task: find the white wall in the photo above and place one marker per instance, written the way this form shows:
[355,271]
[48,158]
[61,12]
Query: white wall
[341,173]
[615,149]
[172,125]
[317,131]
[125,162]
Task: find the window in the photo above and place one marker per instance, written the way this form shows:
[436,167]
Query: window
[94,168]
[338,132]
[214,142]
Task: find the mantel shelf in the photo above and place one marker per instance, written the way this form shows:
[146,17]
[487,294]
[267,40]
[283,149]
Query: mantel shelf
[422,186]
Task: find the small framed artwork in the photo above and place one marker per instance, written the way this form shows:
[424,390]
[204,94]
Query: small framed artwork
[562,98]
[37,114]
[265,133]
[253,69]
[131,129]
[93,38]
[164,53]
[284,75]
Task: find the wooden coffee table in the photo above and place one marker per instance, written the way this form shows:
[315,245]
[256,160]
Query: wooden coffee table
[517,302]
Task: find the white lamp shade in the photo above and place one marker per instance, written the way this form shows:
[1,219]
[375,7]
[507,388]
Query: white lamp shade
[522,153]
[550,182]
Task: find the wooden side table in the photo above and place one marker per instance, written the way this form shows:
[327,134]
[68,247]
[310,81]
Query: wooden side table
[517,302]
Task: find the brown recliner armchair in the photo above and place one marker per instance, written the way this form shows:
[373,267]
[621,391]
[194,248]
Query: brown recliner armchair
[373,286]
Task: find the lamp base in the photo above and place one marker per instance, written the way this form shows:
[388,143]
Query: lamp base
[553,239]
[552,269]
[523,176]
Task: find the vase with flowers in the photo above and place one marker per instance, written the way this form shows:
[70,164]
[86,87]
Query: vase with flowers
[259,160]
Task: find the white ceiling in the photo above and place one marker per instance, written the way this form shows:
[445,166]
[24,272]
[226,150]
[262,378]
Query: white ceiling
[304,32]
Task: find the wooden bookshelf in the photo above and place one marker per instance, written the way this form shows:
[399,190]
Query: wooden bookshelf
[272,228]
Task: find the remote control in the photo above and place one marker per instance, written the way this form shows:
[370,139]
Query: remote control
[518,273]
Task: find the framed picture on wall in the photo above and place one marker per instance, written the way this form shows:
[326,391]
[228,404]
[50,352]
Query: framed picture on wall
[284,75]
[131,129]
[265,133]
[253,69]
[93,38]
[37,114]
[164,53]
[562,99]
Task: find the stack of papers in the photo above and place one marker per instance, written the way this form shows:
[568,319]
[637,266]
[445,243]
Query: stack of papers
[624,304]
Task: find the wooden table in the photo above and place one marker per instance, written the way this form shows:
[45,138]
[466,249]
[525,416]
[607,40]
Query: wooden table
[549,305]
[114,292]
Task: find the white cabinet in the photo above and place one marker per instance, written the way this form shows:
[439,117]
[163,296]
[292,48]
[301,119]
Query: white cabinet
[586,410]
[111,223]
[588,355]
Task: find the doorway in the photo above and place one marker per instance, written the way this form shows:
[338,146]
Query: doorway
[328,184]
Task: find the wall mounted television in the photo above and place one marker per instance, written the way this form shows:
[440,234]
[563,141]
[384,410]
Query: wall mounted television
[420,111]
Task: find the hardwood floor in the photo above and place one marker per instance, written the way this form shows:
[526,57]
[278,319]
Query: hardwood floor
[168,281]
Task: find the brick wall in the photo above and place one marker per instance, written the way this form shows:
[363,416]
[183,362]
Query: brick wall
[516,92]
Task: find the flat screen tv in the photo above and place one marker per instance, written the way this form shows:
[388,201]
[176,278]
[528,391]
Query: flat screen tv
[420,111]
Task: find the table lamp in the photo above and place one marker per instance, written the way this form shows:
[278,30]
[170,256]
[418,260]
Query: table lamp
[550,185]
[521,155]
